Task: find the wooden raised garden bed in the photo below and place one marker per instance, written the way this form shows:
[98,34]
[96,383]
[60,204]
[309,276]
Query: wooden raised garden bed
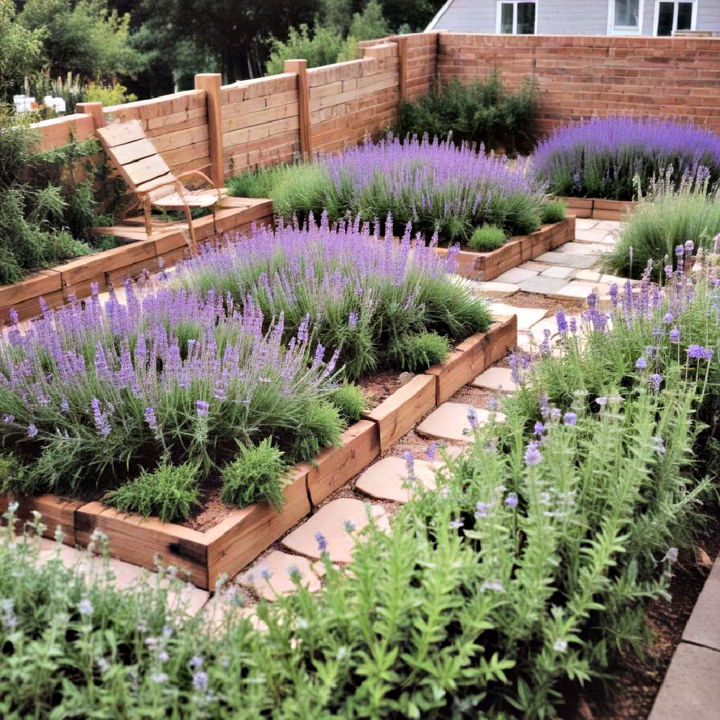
[109,268]
[517,250]
[241,536]
[597,209]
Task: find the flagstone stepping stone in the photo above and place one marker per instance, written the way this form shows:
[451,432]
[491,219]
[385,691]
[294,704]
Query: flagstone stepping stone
[568,259]
[450,422]
[230,604]
[585,224]
[616,279]
[515,275]
[496,289]
[558,271]
[496,378]
[580,289]
[388,478]
[336,525]
[703,627]
[272,576]
[534,266]
[690,688]
[609,225]
[526,317]
[543,285]
[583,248]
[588,275]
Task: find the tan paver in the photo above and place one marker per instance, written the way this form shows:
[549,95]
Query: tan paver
[339,523]
[582,224]
[583,248]
[587,275]
[533,265]
[691,689]
[388,479]
[272,576]
[527,317]
[581,289]
[496,289]
[703,627]
[543,285]
[567,259]
[558,271]
[496,378]
[450,422]
[515,275]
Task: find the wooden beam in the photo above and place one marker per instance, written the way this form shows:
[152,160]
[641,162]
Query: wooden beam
[210,83]
[299,68]
[402,66]
[95,110]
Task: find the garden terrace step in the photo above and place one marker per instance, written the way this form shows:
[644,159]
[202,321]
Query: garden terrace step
[498,379]
[450,422]
[580,289]
[338,524]
[526,317]
[272,576]
[573,260]
[388,479]
[542,285]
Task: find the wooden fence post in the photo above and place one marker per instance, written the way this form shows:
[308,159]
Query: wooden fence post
[299,67]
[402,65]
[95,110]
[211,83]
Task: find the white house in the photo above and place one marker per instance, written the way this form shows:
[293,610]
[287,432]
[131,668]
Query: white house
[578,17]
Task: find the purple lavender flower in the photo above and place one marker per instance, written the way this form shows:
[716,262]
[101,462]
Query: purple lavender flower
[641,363]
[353,319]
[321,541]
[202,407]
[601,401]
[265,574]
[570,419]
[472,417]
[695,351]
[511,500]
[349,526]
[562,324]
[85,607]
[544,405]
[532,454]
[200,681]
[150,418]
[655,380]
[32,431]
[482,509]
[539,428]
[456,524]
[674,335]
[8,419]
[668,318]
[430,452]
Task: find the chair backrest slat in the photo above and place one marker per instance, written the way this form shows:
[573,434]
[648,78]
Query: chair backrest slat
[135,157]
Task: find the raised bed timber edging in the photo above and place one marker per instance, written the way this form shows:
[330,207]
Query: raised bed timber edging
[111,267]
[597,208]
[238,539]
[517,250]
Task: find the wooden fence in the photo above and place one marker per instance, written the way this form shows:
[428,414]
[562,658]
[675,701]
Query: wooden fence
[223,130]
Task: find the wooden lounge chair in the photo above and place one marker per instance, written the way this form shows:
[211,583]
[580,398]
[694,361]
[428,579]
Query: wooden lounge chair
[150,178]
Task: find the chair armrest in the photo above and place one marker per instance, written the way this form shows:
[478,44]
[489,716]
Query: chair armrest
[189,173]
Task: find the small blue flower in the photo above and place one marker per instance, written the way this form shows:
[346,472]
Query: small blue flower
[511,500]
[321,541]
[570,419]
[533,456]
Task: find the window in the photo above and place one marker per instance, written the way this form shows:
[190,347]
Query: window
[625,17]
[672,16]
[516,18]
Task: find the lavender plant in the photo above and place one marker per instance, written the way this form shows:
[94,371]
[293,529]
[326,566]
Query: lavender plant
[435,186]
[91,394]
[604,157]
[366,297]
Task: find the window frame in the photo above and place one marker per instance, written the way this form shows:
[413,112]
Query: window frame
[612,29]
[656,20]
[514,3]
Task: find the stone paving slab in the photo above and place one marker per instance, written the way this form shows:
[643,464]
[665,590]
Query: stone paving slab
[272,576]
[543,285]
[703,627]
[580,289]
[515,275]
[568,259]
[558,271]
[496,289]
[496,378]
[388,478]
[585,224]
[609,225]
[691,689]
[339,523]
[596,235]
[583,248]
[526,317]
[450,422]
[533,266]
[587,275]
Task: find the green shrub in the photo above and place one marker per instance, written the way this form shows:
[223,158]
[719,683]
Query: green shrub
[319,46]
[664,219]
[487,238]
[350,401]
[169,492]
[255,475]
[320,427]
[12,473]
[553,212]
[476,112]
[418,352]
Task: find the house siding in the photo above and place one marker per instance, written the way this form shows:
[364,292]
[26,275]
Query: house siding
[561,17]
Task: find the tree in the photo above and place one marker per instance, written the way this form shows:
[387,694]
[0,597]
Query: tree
[19,50]
[83,37]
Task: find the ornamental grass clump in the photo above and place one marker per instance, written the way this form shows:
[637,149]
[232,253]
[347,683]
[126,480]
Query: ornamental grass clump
[607,157]
[435,186]
[91,394]
[665,218]
[342,287]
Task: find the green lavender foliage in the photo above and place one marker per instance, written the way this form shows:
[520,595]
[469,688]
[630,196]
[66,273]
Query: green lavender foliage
[481,112]
[417,352]
[255,475]
[485,599]
[663,219]
[487,238]
[170,492]
[350,401]
[554,212]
